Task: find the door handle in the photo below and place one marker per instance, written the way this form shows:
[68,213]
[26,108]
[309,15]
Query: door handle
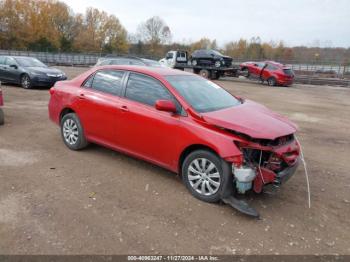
[124,109]
[81,96]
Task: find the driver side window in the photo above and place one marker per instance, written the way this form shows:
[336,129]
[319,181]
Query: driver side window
[10,61]
[147,90]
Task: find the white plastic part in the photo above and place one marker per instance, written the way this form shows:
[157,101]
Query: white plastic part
[244,174]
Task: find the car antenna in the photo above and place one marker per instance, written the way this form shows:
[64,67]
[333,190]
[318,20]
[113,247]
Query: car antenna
[306,173]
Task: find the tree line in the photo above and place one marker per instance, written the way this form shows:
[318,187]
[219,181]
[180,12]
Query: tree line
[52,26]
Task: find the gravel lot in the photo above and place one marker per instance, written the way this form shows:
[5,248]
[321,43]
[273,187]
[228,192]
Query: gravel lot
[56,201]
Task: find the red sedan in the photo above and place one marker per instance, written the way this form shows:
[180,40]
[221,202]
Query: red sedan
[220,144]
[272,72]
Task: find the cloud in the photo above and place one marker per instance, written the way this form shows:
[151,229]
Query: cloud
[298,22]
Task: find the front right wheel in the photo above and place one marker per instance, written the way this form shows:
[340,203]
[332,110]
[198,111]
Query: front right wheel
[206,176]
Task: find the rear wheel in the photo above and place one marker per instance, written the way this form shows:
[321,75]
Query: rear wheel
[271,81]
[26,82]
[206,176]
[2,117]
[246,72]
[205,73]
[72,132]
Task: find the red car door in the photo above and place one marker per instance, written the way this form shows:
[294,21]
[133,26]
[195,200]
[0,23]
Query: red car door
[98,106]
[268,71]
[143,130]
[254,70]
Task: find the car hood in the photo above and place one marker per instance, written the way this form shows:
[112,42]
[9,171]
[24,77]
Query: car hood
[252,119]
[45,70]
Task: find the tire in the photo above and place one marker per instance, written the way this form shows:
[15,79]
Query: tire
[209,186]
[72,132]
[246,72]
[217,64]
[2,117]
[271,81]
[194,62]
[205,73]
[26,82]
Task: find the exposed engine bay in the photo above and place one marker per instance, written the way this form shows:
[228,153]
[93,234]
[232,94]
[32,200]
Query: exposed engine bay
[265,162]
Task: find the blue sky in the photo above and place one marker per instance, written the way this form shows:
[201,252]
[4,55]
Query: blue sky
[298,22]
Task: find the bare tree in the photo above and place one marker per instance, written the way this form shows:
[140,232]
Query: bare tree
[154,32]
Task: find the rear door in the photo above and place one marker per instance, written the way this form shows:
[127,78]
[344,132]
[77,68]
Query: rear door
[268,71]
[143,130]
[98,105]
[256,69]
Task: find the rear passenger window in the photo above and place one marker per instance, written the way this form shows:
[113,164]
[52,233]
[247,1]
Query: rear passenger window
[2,60]
[108,81]
[146,90]
[271,67]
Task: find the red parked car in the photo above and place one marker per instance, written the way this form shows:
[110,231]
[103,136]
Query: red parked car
[272,72]
[220,144]
[2,117]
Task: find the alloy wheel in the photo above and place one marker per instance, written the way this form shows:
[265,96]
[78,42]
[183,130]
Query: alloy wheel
[26,81]
[204,176]
[271,81]
[217,64]
[70,131]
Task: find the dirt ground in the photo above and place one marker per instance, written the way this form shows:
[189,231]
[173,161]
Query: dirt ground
[56,201]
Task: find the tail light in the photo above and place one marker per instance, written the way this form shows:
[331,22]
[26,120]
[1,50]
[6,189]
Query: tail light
[52,91]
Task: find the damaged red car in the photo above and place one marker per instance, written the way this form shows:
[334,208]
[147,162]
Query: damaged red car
[221,145]
[272,72]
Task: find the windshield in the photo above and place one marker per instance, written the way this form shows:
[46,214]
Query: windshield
[217,53]
[152,63]
[203,95]
[29,62]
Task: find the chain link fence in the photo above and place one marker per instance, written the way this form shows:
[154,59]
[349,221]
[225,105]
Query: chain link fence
[314,72]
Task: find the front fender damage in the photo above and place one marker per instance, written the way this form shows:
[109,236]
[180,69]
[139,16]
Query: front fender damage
[262,165]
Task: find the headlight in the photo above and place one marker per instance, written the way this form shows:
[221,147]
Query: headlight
[54,75]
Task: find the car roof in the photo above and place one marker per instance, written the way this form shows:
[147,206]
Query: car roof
[162,71]
[275,63]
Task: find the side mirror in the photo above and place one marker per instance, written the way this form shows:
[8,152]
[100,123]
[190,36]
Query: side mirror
[166,106]
[14,66]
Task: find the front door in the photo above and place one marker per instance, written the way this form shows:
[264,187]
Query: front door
[143,130]
[11,70]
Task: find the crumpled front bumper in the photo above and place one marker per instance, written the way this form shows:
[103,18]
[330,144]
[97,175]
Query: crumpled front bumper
[287,173]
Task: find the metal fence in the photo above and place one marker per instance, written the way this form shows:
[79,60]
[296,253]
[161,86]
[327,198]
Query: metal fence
[65,59]
[328,72]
